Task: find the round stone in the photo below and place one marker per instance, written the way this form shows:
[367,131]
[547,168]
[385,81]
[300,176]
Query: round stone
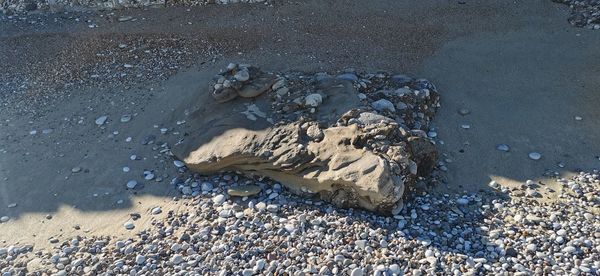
[177,259]
[178,163]
[4,219]
[357,272]
[129,225]
[535,155]
[131,184]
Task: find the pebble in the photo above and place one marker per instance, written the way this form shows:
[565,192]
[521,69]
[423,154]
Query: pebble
[535,156]
[218,199]
[131,184]
[129,225]
[156,210]
[125,118]
[464,111]
[245,190]
[357,272]
[503,147]
[383,105]
[313,100]
[462,201]
[76,169]
[4,219]
[178,164]
[125,169]
[140,259]
[101,120]
[348,77]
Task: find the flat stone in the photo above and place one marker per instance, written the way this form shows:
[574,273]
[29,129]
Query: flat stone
[125,118]
[101,120]
[125,18]
[503,147]
[4,219]
[245,190]
[348,77]
[464,111]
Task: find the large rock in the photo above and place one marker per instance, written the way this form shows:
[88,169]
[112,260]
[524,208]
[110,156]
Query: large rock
[339,150]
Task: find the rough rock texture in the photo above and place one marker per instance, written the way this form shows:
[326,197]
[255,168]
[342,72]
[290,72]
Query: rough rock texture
[339,148]
[584,13]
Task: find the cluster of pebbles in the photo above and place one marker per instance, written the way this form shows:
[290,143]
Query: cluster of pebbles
[584,13]
[231,228]
[104,61]
[23,6]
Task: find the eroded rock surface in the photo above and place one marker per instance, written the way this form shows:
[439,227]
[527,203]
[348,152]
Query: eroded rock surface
[334,146]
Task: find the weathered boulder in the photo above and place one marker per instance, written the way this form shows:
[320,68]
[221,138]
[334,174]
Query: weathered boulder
[337,150]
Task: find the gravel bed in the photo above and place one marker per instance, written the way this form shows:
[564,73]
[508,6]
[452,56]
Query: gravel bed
[108,61]
[276,232]
[584,13]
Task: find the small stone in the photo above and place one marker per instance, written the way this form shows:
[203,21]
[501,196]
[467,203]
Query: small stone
[149,176]
[156,210]
[131,184]
[125,18]
[348,77]
[313,100]
[101,120]
[382,105]
[76,169]
[177,259]
[578,118]
[178,163]
[126,169]
[494,184]
[357,272]
[218,199]
[242,75]
[464,111]
[462,201]
[535,156]
[12,205]
[503,147]
[129,225]
[272,208]
[245,190]
[206,187]
[314,132]
[140,259]
[465,126]
[4,219]
[511,252]
[125,118]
